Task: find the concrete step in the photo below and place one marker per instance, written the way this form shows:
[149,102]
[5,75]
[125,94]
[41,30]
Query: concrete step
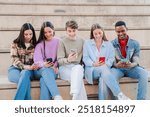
[134,12]
[140,35]
[85,22]
[8,89]
[68,9]
[86,2]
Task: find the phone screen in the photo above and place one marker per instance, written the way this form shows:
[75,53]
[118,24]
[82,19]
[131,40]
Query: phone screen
[49,60]
[73,51]
[101,59]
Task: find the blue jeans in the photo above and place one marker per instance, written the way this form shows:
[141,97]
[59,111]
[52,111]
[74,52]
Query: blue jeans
[106,80]
[48,84]
[137,73]
[22,78]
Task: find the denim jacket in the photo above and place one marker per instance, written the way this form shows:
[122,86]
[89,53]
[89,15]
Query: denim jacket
[132,51]
[91,55]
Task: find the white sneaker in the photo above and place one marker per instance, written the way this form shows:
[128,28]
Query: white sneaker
[58,97]
[74,97]
[121,96]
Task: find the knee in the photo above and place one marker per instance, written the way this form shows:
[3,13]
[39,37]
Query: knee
[143,75]
[26,73]
[48,73]
[13,74]
[13,77]
[47,70]
[106,74]
[78,68]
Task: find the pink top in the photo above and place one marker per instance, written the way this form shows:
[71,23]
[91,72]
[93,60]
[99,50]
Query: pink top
[51,48]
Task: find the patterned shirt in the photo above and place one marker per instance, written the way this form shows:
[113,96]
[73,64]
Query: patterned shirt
[21,57]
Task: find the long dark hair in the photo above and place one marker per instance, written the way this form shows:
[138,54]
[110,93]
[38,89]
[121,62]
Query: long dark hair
[44,25]
[42,36]
[94,27]
[20,41]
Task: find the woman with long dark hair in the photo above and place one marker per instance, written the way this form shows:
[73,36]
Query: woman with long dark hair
[22,69]
[45,57]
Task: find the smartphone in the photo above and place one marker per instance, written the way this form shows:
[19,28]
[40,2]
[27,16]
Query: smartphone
[49,60]
[102,59]
[74,51]
[124,60]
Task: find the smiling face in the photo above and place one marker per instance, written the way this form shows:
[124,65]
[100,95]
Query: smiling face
[98,34]
[48,33]
[121,32]
[71,32]
[28,34]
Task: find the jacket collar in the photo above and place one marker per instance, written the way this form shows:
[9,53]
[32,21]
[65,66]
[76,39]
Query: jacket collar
[117,41]
[93,43]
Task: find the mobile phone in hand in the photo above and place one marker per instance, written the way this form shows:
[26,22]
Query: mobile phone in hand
[102,59]
[73,51]
[49,60]
[124,60]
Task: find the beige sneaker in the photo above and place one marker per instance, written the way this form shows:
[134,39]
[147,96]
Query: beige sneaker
[121,96]
[58,97]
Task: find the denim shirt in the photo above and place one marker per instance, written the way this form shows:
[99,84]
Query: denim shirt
[132,51]
[91,55]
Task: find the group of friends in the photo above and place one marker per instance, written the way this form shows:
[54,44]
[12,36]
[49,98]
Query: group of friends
[73,58]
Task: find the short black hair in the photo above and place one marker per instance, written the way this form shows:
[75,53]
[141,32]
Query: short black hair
[120,23]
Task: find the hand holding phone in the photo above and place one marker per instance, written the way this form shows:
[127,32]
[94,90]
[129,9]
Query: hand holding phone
[34,66]
[124,60]
[102,59]
[49,60]
[73,51]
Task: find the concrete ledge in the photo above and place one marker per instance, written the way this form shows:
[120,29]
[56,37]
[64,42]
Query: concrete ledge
[71,9]
[84,2]
[8,89]
[59,21]
[10,34]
